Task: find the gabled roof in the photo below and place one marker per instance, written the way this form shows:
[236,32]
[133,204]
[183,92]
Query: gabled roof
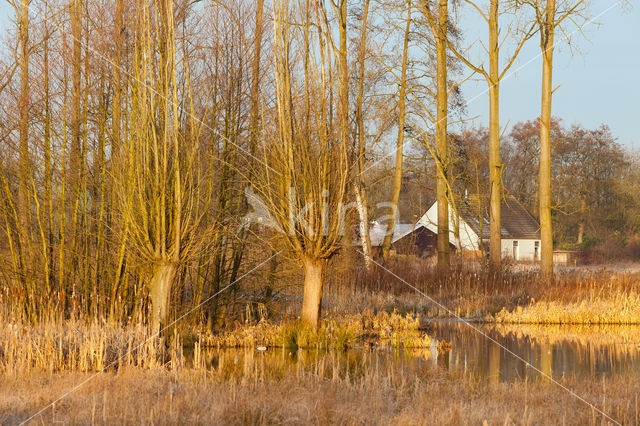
[516,221]
[379,230]
[475,216]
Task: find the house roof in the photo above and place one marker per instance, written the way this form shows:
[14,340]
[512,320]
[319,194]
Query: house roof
[474,215]
[516,221]
[379,230]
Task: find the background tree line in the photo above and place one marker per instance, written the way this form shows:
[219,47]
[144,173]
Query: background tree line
[131,131]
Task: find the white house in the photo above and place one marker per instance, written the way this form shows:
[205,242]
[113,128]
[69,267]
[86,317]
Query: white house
[520,230]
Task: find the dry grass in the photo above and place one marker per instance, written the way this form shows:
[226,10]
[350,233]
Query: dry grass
[338,331]
[585,297]
[618,309]
[323,393]
[77,346]
[155,384]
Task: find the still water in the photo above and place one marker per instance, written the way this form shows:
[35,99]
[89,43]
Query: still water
[557,351]
[487,352]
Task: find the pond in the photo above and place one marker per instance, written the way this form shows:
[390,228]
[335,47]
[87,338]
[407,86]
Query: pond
[487,352]
[557,351]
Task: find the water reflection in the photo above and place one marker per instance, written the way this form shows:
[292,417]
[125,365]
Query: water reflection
[244,363]
[557,351]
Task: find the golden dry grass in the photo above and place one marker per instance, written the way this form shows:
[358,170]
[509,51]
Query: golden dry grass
[397,394]
[579,297]
[175,385]
[77,346]
[616,309]
[337,331]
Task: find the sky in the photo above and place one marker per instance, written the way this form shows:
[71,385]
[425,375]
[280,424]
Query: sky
[598,82]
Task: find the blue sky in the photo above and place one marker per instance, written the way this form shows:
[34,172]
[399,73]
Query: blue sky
[598,84]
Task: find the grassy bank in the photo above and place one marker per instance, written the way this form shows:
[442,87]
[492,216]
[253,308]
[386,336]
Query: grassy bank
[338,331]
[321,393]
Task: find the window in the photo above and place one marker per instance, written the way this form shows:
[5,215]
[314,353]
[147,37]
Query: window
[515,250]
[536,251]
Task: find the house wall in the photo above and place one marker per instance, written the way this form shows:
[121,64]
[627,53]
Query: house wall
[566,257]
[468,238]
[526,249]
[469,241]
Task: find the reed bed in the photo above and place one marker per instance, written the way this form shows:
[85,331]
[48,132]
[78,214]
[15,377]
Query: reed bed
[618,309]
[338,331]
[78,346]
[588,296]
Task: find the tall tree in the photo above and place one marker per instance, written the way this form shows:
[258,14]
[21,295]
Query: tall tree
[493,78]
[548,18]
[305,171]
[402,114]
[25,163]
[359,184]
[547,33]
[438,20]
[158,184]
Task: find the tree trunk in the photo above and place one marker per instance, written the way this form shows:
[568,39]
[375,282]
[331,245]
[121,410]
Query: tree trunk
[117,89]
[24,161]
[76,163]
[441,139]
[48,164]
[314,270]
[365,239]
[583,207]
[160,291]
[546,234]
[495,236]
[359,187]
[397,177]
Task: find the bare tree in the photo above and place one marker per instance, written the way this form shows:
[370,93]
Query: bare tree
[439,23]
[402,114]
[548,18]
[305,173]
[493,78]
[158,185]
[24,158]
[359,184]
